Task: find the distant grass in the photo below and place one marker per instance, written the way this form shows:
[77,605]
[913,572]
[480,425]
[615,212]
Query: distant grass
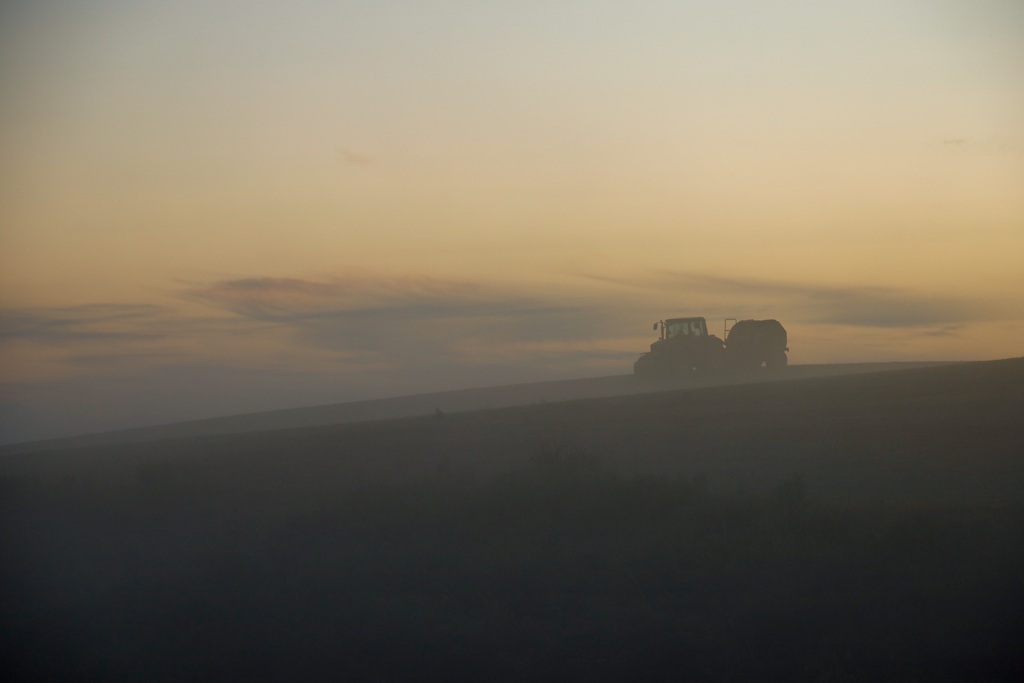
[559,569]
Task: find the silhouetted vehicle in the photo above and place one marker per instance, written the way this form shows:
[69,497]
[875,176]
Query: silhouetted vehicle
[686,346]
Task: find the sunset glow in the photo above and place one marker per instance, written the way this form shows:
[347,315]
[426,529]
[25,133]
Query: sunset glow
[214,208]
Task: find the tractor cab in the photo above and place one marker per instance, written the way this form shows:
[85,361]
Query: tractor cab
[682,327]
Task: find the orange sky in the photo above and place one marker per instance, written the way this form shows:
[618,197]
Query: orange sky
[212,209]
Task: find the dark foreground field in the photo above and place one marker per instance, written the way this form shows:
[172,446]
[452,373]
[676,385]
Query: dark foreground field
[866,527]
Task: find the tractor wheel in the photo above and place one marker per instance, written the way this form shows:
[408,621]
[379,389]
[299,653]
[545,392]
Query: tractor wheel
[778,360]
[646,367]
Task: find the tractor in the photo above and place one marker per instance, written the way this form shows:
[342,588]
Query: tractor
[685,346]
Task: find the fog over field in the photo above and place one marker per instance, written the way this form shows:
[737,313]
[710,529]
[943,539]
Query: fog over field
[450,401]
[865,526]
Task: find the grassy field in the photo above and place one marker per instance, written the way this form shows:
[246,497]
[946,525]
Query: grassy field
[852,528]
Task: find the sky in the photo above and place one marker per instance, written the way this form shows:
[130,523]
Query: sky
[216,208]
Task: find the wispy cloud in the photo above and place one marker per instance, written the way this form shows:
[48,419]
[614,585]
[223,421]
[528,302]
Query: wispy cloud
[944,331]
[269,298]
[93,322]
[1000,145]
[884,307]
[355,324]
[353,157]
[887,307]
[410,317]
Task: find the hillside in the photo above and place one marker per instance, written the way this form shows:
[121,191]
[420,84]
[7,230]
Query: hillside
[935,430]
[858,527]
[462,400]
